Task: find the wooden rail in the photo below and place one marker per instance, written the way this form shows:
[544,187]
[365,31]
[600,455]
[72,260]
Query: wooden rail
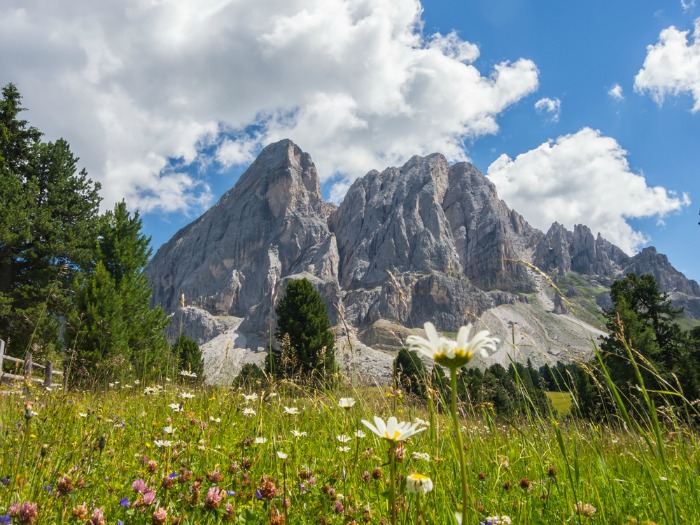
[28,366]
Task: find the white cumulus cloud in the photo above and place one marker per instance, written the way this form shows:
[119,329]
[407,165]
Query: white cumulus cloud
[672,66]
[615,92]
[149,92]
[550,107]
[582,178]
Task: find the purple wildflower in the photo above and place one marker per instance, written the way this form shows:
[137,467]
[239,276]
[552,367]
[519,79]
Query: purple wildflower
[139,486]
[124,502]
[149,497]
[5,519]
[258,494]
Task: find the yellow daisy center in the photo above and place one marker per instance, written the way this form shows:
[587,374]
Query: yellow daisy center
[396,435]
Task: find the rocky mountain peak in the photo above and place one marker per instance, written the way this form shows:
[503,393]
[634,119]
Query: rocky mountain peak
[422,242]
[285,177]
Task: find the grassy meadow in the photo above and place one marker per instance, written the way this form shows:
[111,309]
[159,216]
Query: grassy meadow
[140,454]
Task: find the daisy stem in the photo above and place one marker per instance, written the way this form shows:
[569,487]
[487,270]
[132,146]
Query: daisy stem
[392,482]
[458,438]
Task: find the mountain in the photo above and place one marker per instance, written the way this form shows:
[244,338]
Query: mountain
[423,242]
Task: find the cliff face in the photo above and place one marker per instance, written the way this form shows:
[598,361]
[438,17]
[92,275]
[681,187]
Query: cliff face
[271,225]
[423,242]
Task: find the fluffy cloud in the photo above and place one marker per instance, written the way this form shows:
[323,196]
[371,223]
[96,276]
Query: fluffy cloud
[672,66]
[615,92]
[550,107]
[148,92]
[582,178]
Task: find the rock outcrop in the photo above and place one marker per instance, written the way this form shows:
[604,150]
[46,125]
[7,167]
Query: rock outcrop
[271,225]
[423,242]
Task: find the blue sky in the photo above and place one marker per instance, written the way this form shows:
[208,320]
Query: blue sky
[580,112]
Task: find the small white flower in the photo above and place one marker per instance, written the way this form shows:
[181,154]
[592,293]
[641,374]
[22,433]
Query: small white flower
[346,402]
[298,434]
[163,443]
[422,456]
[282,455]
[187,373]
[344,449]
[293,411]
[169,430]
[392,430]
[215,420]
[186,395]
[359,434]
[250,397]
[343,438]
[260,440]
[111,385]
[82,414]
[248,412]
[418,484]
[176,407]
[137,382]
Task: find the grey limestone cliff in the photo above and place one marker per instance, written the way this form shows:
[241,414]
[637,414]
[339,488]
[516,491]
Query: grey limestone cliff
[422,242]
[270,225]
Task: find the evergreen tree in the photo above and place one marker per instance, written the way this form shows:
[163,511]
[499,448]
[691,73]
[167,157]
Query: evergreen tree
[101,337]
[302,316]
[410,372]
[189,357]
[645,318]
[47,229]
[250,376]
[122,253]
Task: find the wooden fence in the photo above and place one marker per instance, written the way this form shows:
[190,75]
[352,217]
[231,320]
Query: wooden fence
[27,366]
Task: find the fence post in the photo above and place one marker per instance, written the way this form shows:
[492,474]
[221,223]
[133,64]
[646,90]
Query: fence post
[48,373]
[2,352]
[28,365]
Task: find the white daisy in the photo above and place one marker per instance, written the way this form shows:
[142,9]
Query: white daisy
[392,430]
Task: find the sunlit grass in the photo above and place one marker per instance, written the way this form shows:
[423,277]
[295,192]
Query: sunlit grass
[530,470]
[561,402]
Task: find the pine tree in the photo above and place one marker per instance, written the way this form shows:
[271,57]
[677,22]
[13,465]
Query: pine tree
[125,251]
[189,358]
[645,318]
[410,372]
[100,336]
[301,315]
[122,253]
[47,229]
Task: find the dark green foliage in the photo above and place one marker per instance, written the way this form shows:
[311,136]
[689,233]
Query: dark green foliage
[143,352]
[645,318]
[302,316]
[189,357]
[101,339]
[410,372]
[48,225]
[250,376]
[512,392]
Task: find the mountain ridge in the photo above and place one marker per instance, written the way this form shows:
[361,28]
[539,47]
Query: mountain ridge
[422,242]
